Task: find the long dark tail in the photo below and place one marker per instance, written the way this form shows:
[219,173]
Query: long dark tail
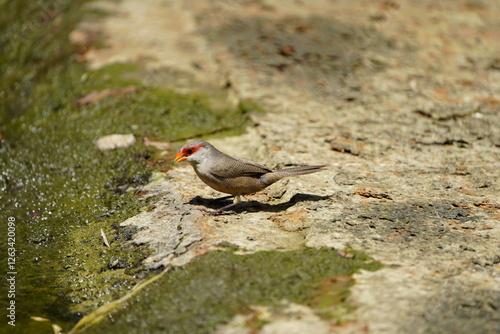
[270,178]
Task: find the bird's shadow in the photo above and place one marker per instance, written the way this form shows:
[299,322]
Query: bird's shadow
[255,206]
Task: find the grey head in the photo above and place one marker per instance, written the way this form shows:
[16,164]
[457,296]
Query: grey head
[195,151]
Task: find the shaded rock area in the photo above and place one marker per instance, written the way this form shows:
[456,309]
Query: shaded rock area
[400,99]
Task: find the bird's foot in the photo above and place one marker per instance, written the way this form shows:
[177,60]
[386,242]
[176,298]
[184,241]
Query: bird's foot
[218,212]
[223,210]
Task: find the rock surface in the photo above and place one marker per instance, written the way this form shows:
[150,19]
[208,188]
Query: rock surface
[400,99]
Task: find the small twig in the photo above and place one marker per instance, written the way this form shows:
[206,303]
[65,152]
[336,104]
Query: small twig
[201,134]
[209,132]
[57,329]
[104,238]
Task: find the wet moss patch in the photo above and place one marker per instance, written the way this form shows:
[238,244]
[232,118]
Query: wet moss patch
[208,292]
[60,188]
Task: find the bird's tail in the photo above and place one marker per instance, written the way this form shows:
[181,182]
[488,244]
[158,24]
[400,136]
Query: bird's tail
[270,178]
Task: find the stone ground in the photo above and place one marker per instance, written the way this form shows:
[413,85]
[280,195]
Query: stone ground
[399,98]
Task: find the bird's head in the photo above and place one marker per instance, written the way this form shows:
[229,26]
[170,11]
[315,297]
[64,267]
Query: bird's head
[193,152]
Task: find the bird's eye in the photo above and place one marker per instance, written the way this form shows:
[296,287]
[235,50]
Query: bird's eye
[189,151]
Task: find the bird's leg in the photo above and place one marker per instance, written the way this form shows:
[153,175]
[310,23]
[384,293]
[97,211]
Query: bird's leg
[222,211]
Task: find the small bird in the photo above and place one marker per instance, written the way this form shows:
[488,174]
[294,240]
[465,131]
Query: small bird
[232,175]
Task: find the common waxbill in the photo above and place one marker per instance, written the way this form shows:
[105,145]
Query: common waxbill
[232,175]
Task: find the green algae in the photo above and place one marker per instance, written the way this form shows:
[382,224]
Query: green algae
[61,190]
[213,288]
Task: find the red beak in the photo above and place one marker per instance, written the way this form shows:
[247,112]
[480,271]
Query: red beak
[179,157]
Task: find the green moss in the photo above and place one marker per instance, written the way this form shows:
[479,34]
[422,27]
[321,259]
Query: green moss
[115,75]
[216,286]
[60,188]
[63,191]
